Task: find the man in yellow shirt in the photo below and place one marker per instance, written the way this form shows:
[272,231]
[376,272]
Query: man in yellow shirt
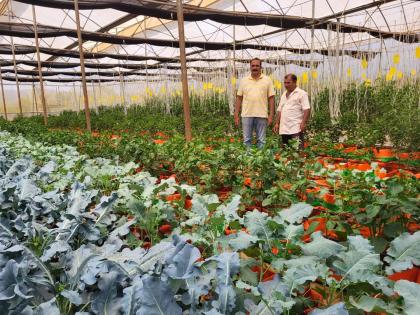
[254,93]
[293,112]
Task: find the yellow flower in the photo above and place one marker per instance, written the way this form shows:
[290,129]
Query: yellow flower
[368,83]
[418,52]
[364,76]
[314,74]
[400,75]
[413,72]
[392,71]
[233,80]
[134,98]
[364,63]
[304,77]
[396,59]
[349,72]
[277,84]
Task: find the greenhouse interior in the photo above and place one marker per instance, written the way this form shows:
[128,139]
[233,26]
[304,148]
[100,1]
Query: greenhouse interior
[208,157]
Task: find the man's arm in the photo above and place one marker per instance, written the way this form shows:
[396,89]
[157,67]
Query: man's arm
[238,109]
[306,107]
[271,106]
[277,123]
[306,114]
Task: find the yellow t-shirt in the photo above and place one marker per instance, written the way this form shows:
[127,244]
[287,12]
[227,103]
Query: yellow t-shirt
[255,94]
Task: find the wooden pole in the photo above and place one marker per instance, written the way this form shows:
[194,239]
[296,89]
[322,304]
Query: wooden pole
[41,80]
[82,67]
[35,110]
[16,77]
[2,94]
[185,96]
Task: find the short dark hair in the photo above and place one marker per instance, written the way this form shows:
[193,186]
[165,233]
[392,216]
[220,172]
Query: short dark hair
[291,76]
[256,59]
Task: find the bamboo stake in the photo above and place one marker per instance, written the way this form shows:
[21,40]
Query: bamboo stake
[185,96]
[2,94]
[82,66]
[38,57]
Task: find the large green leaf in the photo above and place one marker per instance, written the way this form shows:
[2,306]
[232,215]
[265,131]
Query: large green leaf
[106,302]
[156,254]
[280,264]
[361,264]
[403,253]
[295,213]
[297,276]
[256,224]
[336,309]
[230,211]
[242,240]
[321,247]
[275,298]
[292,232]
[371,304]
[410,291]
[157,298]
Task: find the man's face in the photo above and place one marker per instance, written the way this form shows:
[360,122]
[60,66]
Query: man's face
[255,67]
[289,84]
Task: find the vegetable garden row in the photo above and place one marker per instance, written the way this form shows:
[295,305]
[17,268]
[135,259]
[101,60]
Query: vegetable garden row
[136,222]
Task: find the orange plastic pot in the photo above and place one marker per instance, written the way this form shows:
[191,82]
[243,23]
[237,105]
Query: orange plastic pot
[165,229]
[159,141]
[329,198]
[268,273]
[403,156]
[322,182]
[173,197]
[383,153]
[409,275]
[350,149]
[365,232]
[415,155]
[247,181]
[322,224]
[188,203]
[413,227]
[362,167]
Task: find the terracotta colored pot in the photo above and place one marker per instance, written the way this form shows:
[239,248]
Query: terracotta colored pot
[409,275]
[383,153]
[403,156]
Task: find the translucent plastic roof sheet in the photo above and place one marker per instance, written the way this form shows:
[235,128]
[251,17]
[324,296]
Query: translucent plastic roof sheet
[268,29]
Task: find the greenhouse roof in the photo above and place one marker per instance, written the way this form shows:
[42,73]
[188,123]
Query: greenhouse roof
[133,34]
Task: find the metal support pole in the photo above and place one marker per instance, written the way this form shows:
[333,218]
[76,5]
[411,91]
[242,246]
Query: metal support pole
[82,66]
[185,96]
[38,57]
[311,81]
[2,94]
[234,63]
